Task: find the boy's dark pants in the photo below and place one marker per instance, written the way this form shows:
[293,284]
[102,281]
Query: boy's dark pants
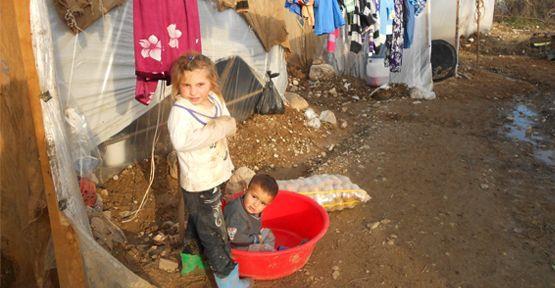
[206,224]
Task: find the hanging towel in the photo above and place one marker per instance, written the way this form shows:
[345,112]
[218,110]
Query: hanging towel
[162,31]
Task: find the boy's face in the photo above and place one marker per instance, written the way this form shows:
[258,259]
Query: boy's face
[256,199]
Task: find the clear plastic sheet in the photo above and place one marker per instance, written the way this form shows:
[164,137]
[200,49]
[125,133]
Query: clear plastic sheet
[333,192]
[96,70]
[226,34]
[101,268]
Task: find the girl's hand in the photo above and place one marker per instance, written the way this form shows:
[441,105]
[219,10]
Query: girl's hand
[229,123]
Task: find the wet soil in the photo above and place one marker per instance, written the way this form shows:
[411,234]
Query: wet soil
[463,187]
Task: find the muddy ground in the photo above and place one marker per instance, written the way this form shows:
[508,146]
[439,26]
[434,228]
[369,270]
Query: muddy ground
[463,186]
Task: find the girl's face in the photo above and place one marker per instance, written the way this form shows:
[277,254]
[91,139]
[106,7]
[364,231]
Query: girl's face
[195,86]
[256,199]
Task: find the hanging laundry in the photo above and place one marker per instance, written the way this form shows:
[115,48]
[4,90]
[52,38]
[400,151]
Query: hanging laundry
[409,18]
[387,12]
[394,52]
[365,24]
[327,16]
[294,7]
[419,6]
[349,5]
[162,31]
[332,38]
[308,12]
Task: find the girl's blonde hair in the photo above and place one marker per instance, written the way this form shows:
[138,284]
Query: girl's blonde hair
[189,62]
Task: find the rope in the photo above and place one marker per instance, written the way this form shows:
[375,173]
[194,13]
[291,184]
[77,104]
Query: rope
[152,162]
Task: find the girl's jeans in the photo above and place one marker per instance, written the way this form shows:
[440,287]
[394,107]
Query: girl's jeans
[206,225]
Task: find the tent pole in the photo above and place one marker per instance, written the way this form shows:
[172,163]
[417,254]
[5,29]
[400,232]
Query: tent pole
[479,4]
[457,37]
[69,262]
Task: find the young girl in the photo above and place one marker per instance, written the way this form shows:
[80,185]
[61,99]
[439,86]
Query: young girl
[198,124]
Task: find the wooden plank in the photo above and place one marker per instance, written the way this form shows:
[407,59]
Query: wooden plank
[69,262]
[25,226]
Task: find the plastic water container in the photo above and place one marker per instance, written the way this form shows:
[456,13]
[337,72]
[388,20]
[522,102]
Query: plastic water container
[376,73]
[298,222]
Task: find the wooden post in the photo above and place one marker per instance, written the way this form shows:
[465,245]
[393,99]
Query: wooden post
[457,37]
[479,5]
[21,97]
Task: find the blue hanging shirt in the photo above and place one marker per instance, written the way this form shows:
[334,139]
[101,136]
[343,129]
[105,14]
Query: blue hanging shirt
[409,17]
[327,16]
[387,11]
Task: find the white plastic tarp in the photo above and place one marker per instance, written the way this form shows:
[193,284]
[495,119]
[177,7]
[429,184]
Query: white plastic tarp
[96,72]
[416,69]
[444,15]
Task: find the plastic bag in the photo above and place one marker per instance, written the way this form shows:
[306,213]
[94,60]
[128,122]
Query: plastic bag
[84,152]
[333,192]
[270,102]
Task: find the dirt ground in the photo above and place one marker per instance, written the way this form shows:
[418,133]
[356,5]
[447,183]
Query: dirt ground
[463,186]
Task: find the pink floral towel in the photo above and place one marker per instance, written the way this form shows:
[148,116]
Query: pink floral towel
[162,31]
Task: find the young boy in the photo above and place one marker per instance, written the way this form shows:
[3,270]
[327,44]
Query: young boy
[243,215]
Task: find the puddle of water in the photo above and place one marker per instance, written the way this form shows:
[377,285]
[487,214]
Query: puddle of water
[521,129]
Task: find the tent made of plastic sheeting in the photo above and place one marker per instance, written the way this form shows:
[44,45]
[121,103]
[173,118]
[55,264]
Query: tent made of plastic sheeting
[93,73]
[444,17]
[416,69]
[95,69]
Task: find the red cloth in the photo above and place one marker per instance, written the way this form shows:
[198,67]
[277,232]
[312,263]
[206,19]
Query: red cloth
[332,38]
[88,191]
[162,31]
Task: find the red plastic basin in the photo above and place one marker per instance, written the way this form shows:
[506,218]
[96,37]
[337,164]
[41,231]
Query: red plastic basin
[294,219]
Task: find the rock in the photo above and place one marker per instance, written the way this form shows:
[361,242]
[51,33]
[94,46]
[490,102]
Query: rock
[106,232]
[295,82]
[328,116]
[314,123]
[335,275]
[484,186]
[343,124]
[104,193]
[116,177]
[296,101]
[333,92]
[317,61]
[416,93]
[159,238]
[167,265]
[356,98]
[373,226]
[172,164]
[310,114]
[335,268]
[321,72]
[344,109]
[239,180]
[347,85]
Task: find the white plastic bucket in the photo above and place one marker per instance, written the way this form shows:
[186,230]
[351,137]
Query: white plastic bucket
[114,154]
[376,73]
